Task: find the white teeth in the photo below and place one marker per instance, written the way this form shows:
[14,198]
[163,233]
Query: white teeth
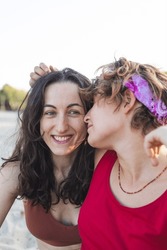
[64,138]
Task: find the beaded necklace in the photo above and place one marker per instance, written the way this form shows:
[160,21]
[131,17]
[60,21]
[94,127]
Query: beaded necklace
[135,192]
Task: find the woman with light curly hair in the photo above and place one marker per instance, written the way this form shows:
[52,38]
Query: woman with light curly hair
[126,206]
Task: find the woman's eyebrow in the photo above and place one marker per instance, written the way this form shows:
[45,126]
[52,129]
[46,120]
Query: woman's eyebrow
[69,106]
[74,104]
[49,105]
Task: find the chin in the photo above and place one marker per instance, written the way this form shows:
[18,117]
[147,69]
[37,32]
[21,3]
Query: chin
[61,153]
[92,143]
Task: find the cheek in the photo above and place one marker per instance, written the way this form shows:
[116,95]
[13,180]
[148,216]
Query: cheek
[44,126]
[81,128]
[99,130]
[84,131]
[98,137]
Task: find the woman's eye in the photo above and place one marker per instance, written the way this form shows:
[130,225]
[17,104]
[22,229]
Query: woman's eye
[74,112]
[49,113]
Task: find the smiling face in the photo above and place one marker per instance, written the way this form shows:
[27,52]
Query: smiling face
[104,123]
[62,123]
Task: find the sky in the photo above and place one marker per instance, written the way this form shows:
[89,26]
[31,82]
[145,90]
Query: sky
[80,34]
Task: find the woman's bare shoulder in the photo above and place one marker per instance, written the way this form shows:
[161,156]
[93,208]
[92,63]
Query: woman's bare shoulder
[10,169]
[9,176]
[8,187]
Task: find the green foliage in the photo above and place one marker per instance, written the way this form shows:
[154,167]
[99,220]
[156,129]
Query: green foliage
[11,98]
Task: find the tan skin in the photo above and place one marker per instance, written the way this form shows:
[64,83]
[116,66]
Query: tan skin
[64,129]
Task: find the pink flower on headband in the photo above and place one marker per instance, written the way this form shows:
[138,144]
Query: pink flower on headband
[143,93]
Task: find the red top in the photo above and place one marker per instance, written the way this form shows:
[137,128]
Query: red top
[46,228]
[106,224]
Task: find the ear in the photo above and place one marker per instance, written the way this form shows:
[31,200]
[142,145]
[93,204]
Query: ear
[129,100]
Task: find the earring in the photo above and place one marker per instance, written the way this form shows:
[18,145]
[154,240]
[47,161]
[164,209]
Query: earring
[85,142]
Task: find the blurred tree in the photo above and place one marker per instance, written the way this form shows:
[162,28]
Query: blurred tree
[11,98]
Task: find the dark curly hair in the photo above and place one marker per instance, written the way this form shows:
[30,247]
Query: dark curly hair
[36,179]
[110,84]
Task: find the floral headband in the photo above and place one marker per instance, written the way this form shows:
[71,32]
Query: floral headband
[140,88]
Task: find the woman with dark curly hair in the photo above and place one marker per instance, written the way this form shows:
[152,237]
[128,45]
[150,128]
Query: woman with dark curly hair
[126,206]
[52,164]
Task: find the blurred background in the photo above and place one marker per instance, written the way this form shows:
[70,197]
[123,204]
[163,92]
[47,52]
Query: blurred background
[81,34]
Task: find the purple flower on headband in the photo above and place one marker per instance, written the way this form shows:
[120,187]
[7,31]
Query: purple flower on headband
[143,93]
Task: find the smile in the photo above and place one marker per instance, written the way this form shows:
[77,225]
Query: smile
[61,138]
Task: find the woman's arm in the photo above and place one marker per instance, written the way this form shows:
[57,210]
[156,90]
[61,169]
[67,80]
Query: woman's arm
[8,189]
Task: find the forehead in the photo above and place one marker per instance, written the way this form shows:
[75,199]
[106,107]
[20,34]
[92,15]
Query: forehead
[62,92]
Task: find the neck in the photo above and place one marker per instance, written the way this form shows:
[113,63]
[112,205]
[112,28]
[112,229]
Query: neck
[141,188]
[137,164]
[62,164]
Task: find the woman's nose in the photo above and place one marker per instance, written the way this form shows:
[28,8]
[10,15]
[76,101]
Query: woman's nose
[86,118]
[61,124]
